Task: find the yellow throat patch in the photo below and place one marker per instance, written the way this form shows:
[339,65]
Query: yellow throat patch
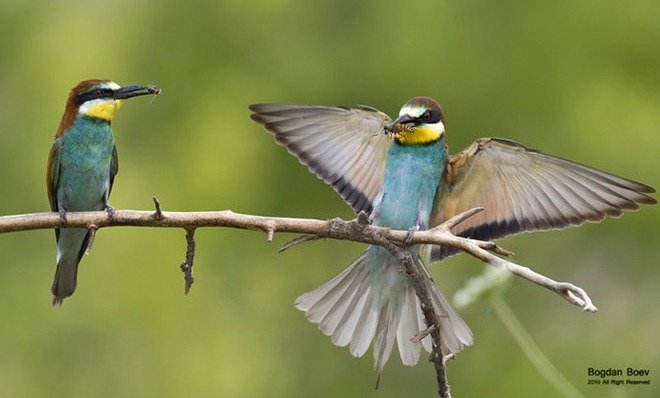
[418,136]
[101,109]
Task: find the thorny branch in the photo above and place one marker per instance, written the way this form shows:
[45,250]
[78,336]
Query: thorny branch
[358,230]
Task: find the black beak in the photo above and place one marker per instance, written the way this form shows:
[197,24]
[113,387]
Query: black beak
[134,91]
[403,122]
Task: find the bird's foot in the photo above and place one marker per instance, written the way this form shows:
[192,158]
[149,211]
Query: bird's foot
[411,232]
[374,214]
[63,217]
[111,213]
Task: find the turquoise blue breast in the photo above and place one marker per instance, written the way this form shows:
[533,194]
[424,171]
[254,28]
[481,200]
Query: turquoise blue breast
[412,175]
[85,157]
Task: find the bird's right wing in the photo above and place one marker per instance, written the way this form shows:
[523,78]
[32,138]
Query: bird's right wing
[346,147]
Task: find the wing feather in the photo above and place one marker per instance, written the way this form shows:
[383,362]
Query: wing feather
[343,146]
[52,174]
[114,168]
[526,190]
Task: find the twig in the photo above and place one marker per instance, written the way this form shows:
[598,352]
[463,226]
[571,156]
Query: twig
[333,229]
[297,241]
[422,334]
[90,240]
[270,232]
[187,264]
[459,218]
[158,215]
[481,250]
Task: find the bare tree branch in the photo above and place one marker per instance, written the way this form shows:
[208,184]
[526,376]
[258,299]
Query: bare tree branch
[333,229]
[358,230]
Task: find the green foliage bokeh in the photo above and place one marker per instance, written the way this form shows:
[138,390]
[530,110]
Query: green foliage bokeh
[576,79]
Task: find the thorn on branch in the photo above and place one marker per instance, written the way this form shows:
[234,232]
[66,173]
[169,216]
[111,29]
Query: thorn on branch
[91,230]
[158,215]
[297,241]
[187,264]
[491,246]
[422,334]
[270,231]
[363,218]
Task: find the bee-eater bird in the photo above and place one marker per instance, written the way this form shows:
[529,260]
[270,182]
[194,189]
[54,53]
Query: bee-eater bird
[400,173]
[81,168]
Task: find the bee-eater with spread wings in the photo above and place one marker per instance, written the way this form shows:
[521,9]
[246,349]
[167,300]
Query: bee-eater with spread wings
[402,175]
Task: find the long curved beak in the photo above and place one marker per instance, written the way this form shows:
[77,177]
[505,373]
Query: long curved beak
[134,91]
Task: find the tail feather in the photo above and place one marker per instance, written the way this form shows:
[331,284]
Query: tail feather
[412,321]
[317,303]
[427,342]
[343,334]
[337,317]
[455,333]
[365,328]
[350,309]
[385,335]
[71,245]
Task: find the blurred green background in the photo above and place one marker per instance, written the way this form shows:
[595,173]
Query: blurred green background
[576,79]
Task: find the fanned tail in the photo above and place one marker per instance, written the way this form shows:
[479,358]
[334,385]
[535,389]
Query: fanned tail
[364,304]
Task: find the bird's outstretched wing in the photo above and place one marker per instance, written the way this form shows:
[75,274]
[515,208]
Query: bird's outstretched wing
[526,190]
[346,147]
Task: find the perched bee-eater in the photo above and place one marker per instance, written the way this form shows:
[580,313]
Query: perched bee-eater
[81,168]
[401,174]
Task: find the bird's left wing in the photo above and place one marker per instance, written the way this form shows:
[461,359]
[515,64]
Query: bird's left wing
[525,190]
[53,173]
[52,177]
[346,147]
[114,168]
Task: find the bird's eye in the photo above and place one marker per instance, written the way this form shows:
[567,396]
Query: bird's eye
[426,116]
[97,93]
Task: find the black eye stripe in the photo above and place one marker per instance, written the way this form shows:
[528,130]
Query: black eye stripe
[91,95]
[432,118]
